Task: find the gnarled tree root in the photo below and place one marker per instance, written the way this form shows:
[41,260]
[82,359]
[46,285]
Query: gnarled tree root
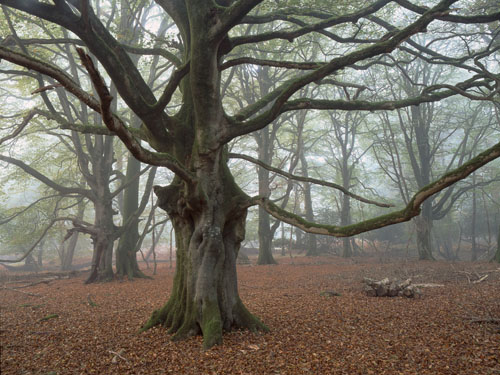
[185,321]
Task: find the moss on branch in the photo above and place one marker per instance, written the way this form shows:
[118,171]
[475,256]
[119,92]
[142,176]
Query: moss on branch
[411,210]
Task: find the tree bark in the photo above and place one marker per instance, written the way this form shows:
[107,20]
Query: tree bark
[126,260]
[345,219]
[68,252]
[103,239]
[423,225]
[473,222]
[265,233]
[497,254]
[208,233]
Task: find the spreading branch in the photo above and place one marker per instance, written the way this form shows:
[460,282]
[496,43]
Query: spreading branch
[411,210]
[30,250]
[330,21]
[46,180]
[285,92]
[308,179]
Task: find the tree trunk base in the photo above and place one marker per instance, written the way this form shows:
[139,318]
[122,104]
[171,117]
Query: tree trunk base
[186,321]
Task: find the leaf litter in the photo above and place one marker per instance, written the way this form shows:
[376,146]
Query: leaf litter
[93,329]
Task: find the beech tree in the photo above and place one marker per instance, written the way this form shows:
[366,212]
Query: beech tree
[189,124]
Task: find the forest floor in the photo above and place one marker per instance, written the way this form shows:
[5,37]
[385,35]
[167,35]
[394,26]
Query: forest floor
[92,329]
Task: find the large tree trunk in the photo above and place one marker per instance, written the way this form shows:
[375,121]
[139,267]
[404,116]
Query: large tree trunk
[209,228]
[208,213]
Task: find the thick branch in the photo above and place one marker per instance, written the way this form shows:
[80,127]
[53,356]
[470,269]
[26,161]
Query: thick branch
[117,126]
[274,63]
[410,211]
[308,179]
[133,50]
[232,15]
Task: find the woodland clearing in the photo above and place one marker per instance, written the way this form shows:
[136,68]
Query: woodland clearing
[66,327]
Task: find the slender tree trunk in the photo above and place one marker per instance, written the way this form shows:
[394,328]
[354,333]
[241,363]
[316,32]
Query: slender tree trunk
[126,252]
[40,254]
[103,239]
[473,222]
[265,239]
[423,226]
[497,254]
[155,242]
[345,219]
[312,246]
[68,252]
[264,231]
[311,243]
[170,252]
[283,253]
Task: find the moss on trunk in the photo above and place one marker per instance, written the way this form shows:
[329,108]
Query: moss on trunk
[209,227]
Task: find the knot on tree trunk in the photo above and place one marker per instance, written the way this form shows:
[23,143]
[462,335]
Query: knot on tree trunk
[390,288]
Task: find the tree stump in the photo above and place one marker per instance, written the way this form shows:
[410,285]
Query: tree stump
[390,288]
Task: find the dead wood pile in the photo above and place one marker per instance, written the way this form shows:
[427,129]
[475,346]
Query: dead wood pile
[390,288]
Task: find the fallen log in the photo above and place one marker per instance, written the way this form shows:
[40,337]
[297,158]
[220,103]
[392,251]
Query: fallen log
[390,288]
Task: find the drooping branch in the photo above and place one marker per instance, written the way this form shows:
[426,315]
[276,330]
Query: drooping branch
[46,180]
[411,210]
[27,208]
[308,179]
[51,71]
[118,127]
[77,42]
[19,128]
[30,250]
[439,211]
[429,95]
